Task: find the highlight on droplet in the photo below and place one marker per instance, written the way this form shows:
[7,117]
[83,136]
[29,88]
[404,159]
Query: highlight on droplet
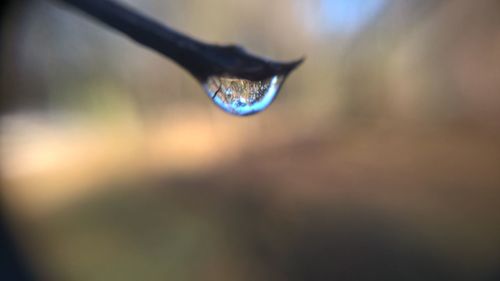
[241,96]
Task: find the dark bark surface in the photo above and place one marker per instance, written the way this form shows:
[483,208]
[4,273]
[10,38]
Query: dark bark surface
[200,59]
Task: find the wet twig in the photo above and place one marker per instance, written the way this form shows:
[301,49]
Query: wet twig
[200,59]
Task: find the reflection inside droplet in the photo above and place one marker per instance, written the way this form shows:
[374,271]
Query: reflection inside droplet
[241,96]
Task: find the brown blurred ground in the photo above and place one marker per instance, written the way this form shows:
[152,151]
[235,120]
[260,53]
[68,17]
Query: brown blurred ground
[380,159]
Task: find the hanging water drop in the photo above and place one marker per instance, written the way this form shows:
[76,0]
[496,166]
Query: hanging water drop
[237,81]
[241,96]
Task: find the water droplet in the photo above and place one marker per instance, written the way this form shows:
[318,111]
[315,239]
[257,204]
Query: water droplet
[240,96]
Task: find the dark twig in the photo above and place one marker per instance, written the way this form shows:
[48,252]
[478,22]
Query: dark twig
[200,59]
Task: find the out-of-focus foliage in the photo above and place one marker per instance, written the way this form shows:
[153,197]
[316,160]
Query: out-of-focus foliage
[379,160]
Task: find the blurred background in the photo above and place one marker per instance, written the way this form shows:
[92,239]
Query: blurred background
[379,160]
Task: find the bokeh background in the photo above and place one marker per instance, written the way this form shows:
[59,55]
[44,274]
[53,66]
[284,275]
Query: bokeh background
[379,160]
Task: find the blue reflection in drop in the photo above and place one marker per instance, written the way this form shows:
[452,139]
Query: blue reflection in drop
[240,96]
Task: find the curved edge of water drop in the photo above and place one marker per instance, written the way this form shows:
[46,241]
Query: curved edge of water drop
[240,108]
